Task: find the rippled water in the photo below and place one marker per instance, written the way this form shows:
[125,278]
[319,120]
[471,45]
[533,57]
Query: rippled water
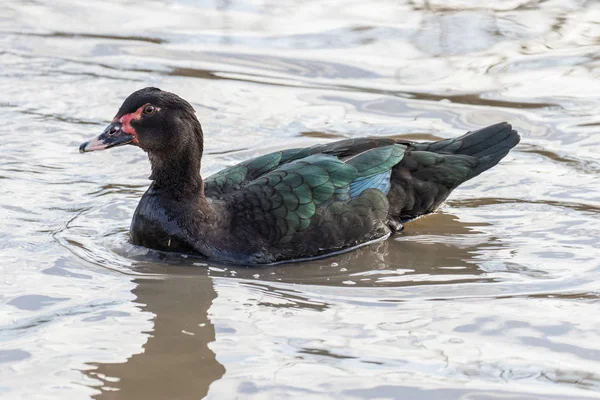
[493,297]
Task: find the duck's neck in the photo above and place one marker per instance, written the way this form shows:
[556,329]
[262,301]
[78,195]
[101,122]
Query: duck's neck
[177,173]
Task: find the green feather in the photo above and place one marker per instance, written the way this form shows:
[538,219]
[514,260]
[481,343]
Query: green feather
[280,211]
[294,180]
[262,164]
[298,181]
[293,221]
[322,193]
[304,223]
[377,160]
[290,200]
[315,175]
[305,211]
[342,175]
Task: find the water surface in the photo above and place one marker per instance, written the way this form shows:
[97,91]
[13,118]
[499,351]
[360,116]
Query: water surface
[493,297]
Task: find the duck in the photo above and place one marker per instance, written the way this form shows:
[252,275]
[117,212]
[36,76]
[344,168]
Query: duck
[288,205]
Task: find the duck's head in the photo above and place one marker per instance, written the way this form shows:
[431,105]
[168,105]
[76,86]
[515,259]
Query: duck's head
[159,122]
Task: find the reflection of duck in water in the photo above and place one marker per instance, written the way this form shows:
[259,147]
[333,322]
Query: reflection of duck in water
[176,362]
[178,358]
[291,204]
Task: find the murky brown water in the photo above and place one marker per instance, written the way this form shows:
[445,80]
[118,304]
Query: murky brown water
[494,297]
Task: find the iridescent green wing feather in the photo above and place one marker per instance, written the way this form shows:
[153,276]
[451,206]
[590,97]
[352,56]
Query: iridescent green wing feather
[233,178]
[284,201]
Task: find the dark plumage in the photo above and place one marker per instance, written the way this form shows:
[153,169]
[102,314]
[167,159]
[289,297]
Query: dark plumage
[290,204]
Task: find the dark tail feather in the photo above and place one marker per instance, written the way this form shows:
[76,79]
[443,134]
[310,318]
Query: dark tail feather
[488,145]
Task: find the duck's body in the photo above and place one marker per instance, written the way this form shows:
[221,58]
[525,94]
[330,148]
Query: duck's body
[292,204]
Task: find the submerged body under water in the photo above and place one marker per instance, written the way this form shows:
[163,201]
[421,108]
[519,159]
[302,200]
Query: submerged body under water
[493,296]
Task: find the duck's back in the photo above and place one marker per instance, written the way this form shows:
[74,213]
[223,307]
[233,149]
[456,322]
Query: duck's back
[233,178]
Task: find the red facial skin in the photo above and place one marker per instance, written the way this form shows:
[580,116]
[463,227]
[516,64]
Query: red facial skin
[126,119]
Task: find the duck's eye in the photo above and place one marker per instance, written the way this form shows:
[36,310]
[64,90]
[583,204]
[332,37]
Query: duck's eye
[149,110]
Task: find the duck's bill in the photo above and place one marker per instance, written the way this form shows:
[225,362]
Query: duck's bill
[112,136]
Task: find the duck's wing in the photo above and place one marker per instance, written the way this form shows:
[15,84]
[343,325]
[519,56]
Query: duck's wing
[235,177]
[321,193]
